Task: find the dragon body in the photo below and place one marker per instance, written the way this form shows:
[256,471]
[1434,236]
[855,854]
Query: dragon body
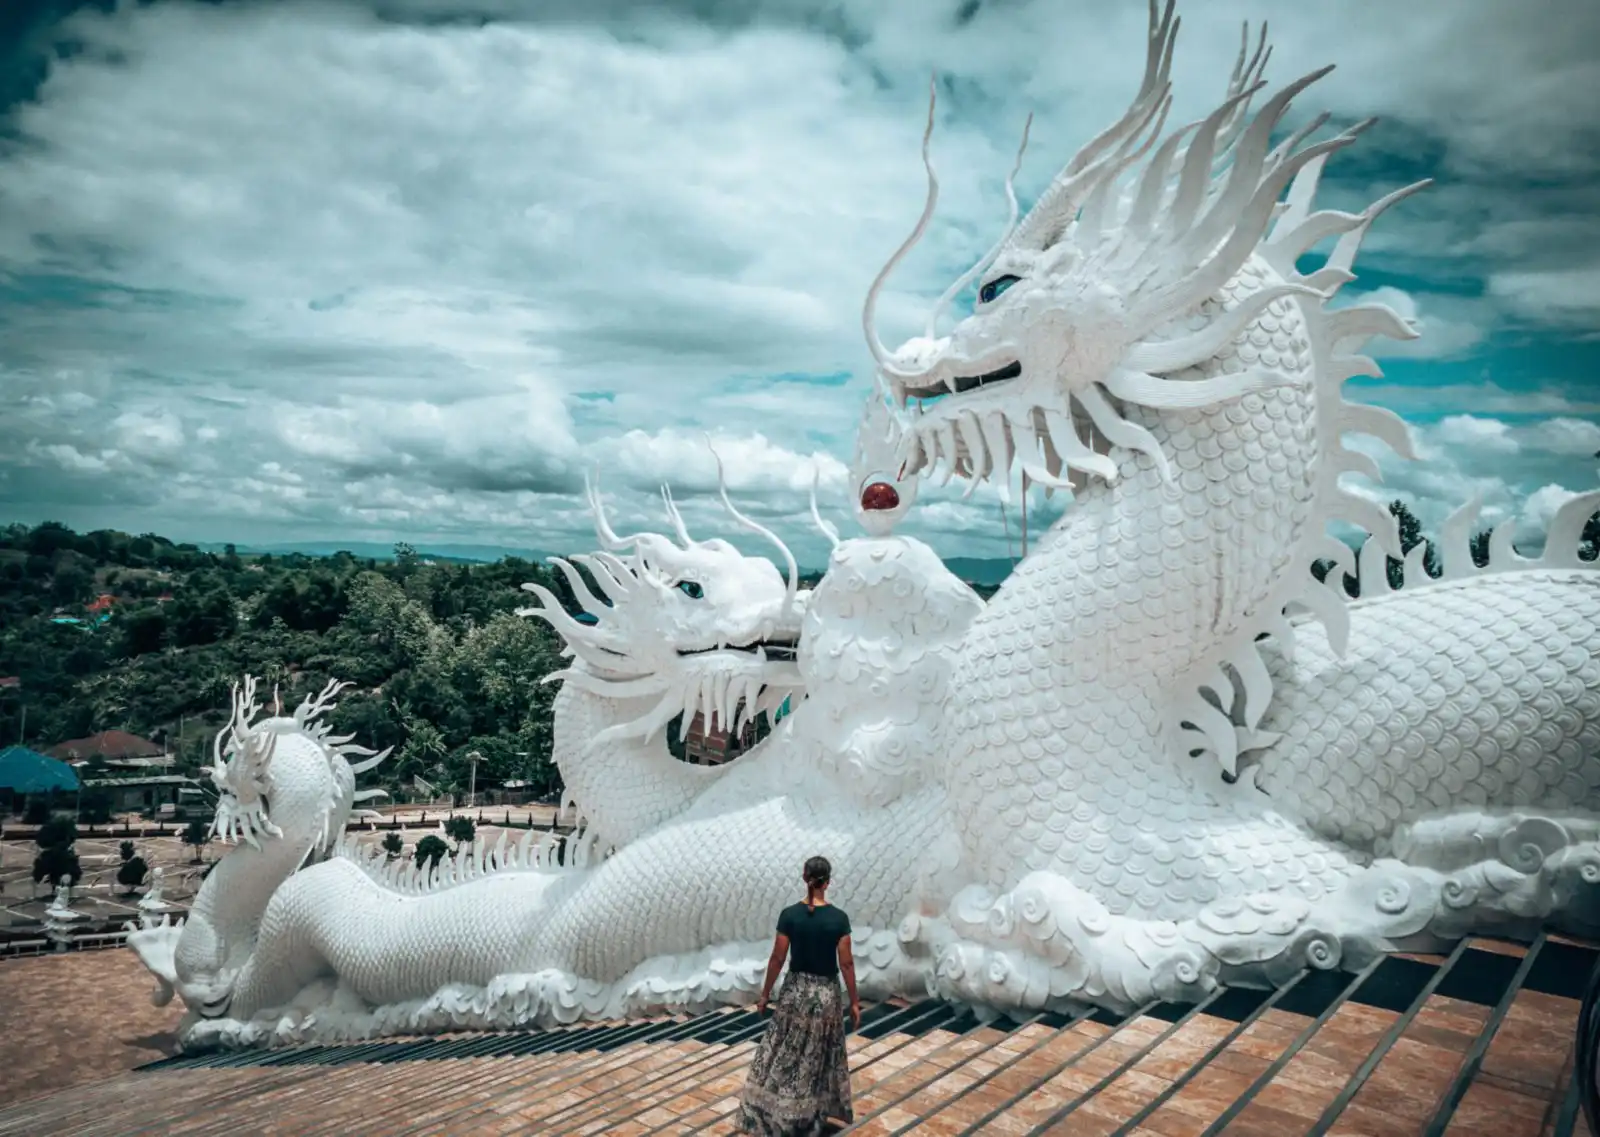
[1165,755]
[1153,346]
[568,937]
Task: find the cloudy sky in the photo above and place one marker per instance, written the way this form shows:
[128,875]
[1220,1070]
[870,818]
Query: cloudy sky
[378,269]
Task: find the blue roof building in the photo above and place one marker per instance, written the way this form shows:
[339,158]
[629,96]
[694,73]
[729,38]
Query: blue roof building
[27,771]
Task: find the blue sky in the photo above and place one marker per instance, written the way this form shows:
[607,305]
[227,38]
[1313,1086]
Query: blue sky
[405,269]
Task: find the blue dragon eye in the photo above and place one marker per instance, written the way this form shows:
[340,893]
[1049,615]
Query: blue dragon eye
[990,292]
[691,589]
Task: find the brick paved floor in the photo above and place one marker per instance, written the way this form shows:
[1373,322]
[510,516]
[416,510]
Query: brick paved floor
[77,1018]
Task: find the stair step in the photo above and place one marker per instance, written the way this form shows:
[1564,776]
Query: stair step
[1477,1042]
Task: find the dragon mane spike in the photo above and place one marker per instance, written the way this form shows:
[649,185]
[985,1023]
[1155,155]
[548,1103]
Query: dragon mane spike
[580,588]
[313,707]
[1245,75]
[1059,203]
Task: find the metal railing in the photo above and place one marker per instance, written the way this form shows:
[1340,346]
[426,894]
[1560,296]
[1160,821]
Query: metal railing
[43,945]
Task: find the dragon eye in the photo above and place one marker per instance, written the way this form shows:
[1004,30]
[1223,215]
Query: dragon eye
[691,589]
[990,292]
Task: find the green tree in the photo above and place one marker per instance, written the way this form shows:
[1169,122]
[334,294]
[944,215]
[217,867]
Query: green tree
[429,852]
[1410,537]
[94,806]
[143,630]
[392,845]
[461,830]
[198,834]
[49,538]
[442,668]
[202,617]
[1480,548]
[57,860]
[132,871]
[58,864]
[71,584]
[58,831]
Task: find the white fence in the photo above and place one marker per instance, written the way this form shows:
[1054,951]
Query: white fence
[43,945]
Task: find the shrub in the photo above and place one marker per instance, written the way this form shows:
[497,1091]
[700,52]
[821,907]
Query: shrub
[198,834]
[461,830]
[392,844]
[430,851]
[127,851]
[58,864]
[95,807]
[37,811]
[58,832]
[132,873]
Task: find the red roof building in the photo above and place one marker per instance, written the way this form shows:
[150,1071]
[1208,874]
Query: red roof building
[713,747]
[111,745]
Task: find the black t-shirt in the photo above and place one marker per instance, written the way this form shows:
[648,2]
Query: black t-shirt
[814,935]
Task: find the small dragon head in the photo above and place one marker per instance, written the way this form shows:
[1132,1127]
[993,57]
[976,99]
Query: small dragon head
[242,765]
[697,625]
[1076,303]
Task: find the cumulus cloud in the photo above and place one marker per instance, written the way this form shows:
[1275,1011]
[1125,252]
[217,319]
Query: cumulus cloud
[1447,326]
[1571,295]
[1522,471]
[278,270]
[1485,434]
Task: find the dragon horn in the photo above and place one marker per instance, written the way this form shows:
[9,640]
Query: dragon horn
[676,518]
[827,527]
[869,308]
[793,586]
[602,527]
[967,277]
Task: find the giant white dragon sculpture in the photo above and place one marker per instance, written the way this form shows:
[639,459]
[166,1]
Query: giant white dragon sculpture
[1164,756]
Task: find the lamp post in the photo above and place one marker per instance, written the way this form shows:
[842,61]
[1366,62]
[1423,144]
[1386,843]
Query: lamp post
[472,778]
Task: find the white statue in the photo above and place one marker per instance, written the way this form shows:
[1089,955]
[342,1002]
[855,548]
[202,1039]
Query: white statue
[689,627]
[1145,339]
[1163,757]
[153,900]
[60,917]
[61,906]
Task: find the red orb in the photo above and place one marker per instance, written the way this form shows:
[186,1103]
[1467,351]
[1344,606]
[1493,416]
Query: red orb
[879,496]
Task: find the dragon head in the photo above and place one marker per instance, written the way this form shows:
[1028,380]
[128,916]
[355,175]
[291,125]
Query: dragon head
[697,625]
[285,786]
[1081,306]
[243,760]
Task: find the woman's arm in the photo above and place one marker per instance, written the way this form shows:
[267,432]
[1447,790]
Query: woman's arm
[847,968]
[780,950]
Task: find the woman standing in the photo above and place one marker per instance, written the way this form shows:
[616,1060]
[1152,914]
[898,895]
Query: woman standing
[799,1079]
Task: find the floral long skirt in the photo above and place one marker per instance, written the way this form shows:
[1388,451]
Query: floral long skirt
[800,1076]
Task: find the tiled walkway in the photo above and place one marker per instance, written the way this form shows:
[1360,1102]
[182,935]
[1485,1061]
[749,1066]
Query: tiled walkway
[76,1018]
[1478,1042]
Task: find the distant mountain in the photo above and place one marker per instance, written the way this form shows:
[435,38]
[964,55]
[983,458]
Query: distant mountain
[372,550]
[980,570]
[974,570]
